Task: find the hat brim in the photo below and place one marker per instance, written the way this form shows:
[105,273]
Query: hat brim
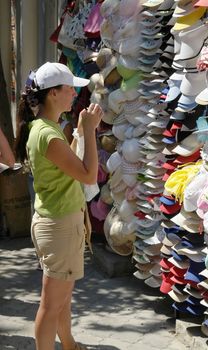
[80,82]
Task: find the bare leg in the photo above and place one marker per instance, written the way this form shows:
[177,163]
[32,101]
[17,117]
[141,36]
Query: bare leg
[64,326]
[55,293]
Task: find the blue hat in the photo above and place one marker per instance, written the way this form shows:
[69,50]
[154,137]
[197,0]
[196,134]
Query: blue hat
[169,140]
[187,102]
[182,307]
[193,301]
[165,91]
[167,201]
[196,310]
[188,308]
[192,273]
[30,79]
[174,229]
[178,257]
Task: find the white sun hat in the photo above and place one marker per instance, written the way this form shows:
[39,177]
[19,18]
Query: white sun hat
[130,179]
[109,7]
[113,162]
[127,210]
[116,101]
[119,240]
[129,8]
[52,74]
[119,131]
[131,150]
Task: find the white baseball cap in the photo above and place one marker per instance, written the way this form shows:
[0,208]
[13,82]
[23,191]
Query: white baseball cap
[52,74]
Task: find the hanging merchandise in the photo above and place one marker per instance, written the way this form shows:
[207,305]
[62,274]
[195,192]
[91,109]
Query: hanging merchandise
[72,30]
[184,248]
[155,112]
[147,62]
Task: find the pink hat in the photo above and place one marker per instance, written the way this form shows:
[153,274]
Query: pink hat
[94,20]
[99,209]
[202,3]
[102,175]
[202,203]
[166,285]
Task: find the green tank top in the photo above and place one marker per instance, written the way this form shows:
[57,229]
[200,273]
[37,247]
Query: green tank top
[56,193]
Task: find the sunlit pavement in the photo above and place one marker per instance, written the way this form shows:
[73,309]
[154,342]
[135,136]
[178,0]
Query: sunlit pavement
[108,313]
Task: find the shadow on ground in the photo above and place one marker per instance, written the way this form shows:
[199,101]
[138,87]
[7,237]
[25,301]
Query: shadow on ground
[95,294]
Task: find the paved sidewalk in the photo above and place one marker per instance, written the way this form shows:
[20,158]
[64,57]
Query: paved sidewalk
[108,314]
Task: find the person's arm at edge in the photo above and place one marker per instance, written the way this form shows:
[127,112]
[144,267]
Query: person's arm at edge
[6,154]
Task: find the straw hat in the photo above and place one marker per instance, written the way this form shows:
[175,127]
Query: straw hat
[105,194]
[119,235]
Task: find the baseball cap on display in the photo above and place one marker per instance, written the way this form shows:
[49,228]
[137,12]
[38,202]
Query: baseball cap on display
[174,84]
[189,221]
[187,21]
[182,264]
[186,103]
[171,239]
[202,97]
[52,74]
[186,159]
[169,140]
[183,9]
[193,83]
[152,3]
[151,44]
[193,272]
[192,42]
[188,146]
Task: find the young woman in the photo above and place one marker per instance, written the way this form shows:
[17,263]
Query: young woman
[6,154]
[58,230]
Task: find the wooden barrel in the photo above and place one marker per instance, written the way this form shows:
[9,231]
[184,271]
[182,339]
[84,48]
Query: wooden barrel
[15,203]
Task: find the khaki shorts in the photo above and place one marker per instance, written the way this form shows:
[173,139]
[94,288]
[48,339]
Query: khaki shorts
[60,244]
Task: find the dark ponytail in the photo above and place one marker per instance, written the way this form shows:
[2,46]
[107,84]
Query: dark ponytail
[25,116]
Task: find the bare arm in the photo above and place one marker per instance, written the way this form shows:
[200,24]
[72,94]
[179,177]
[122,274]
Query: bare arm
[84,171]
[6,154]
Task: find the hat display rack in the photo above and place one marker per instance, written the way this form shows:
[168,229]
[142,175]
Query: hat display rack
[148,63]
[184,246]
[155,42]
[170,255]
[120,21]
[79,42]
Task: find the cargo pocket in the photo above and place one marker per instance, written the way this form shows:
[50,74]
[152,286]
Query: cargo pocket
[81,236]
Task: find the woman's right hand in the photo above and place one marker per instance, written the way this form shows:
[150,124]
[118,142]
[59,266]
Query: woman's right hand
[91,117]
